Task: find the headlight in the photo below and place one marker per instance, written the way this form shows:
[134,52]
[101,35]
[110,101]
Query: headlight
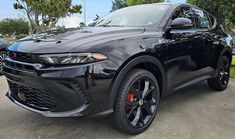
[72,58]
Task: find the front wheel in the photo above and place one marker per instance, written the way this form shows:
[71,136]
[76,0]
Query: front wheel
[221,81]
[136,102]
[2,57]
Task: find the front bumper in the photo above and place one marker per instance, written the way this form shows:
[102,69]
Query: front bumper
[72,113]
[60,92]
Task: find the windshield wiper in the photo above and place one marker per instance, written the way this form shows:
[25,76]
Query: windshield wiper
[105,24]
[110,26]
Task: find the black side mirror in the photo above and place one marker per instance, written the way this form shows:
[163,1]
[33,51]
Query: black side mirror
[181,23]
[177,25]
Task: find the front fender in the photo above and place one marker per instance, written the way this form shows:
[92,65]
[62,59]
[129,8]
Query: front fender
[127,66]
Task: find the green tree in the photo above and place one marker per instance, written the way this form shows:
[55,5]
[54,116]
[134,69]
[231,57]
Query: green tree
[223,10]
[118,4]
[82,24]
[44,14]
[13,27]
[231,17]
[137,2]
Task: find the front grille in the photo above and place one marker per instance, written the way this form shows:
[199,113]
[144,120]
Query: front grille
[31,97]
[23,57]
[19,66]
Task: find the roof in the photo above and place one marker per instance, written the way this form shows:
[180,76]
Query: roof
[175,4]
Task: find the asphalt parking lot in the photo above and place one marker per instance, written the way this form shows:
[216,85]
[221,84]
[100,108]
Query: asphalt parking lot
[195,112]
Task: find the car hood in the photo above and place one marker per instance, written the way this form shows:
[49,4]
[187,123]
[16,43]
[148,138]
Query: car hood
[71,40]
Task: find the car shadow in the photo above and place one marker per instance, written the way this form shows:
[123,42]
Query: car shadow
[41,127]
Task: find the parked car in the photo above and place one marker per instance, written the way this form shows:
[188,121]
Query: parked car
[3,45]
[123,66]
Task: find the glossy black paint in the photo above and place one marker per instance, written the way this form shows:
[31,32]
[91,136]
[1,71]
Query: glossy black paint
[177,58]
[75,88]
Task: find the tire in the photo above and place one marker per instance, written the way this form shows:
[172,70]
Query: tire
[136,102]
[220,82]
[2,57]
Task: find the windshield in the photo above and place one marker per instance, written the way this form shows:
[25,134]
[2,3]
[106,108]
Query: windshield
[136,16]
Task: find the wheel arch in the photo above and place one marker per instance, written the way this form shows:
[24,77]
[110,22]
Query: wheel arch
[225,52]
[144,61]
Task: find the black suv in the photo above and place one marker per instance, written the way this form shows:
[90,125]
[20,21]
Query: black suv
[123,66]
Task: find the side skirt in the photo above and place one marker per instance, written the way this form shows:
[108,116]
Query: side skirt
[192,82]
[201,75]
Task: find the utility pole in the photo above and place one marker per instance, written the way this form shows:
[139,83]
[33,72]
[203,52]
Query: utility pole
[84,10]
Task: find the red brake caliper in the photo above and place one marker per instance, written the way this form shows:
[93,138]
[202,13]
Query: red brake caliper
[130,98]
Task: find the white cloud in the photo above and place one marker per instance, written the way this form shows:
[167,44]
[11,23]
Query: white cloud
[71,22]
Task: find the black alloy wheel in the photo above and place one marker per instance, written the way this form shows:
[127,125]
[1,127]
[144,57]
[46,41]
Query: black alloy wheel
[2,58]
[224,73]
[141,102]
[220,83]
[137,101]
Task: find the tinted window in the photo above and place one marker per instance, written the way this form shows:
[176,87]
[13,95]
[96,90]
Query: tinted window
[201,19]
[212,20]
[184,12]
[143,15]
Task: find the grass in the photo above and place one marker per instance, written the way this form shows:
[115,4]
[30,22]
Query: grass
[233,62]
[232,73]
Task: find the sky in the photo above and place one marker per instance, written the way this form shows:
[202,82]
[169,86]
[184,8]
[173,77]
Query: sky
[93,7]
